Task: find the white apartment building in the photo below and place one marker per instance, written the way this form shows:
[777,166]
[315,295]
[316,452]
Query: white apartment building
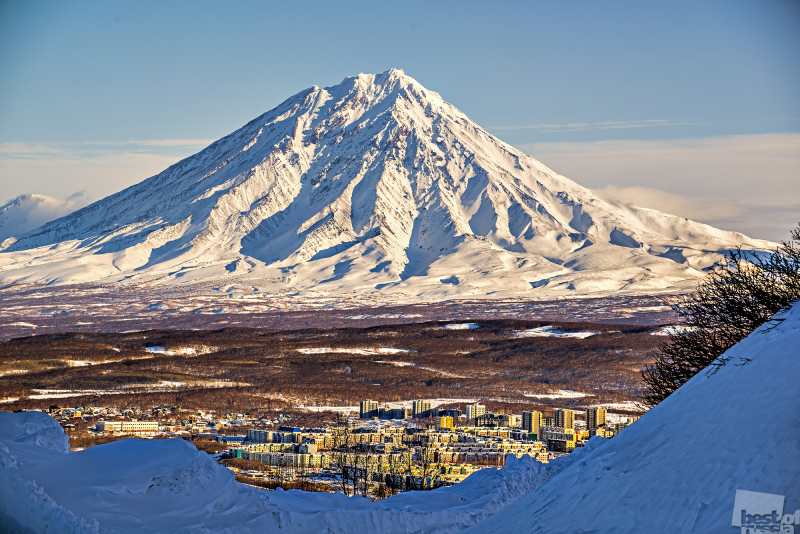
[475,410]
[128,427]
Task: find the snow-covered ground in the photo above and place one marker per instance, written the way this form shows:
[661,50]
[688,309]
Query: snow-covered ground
[162,350]
[366,352]
[168,486]
[675,470]
[562,394]
[549,331]
[161,386]
[460,326]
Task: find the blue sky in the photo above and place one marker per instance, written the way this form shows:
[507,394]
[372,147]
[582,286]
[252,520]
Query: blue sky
[90,91]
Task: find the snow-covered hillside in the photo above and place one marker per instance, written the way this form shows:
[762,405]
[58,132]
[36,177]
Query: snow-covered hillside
[677,469]
[168,486]
[373,184]
[674,470]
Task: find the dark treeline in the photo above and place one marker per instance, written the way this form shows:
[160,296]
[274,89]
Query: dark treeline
[271,371]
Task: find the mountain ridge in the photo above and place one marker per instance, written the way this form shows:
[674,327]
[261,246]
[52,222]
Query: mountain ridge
[373,184]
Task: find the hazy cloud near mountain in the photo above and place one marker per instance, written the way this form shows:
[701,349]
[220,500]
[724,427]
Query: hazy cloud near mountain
[98,168]
[748,183]
[27,212]
[692,208]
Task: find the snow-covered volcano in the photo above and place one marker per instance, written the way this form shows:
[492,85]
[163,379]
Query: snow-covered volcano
[375,183]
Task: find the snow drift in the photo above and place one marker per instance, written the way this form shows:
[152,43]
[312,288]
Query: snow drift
[674,470]
[168,486]
[373,184]
[677,469]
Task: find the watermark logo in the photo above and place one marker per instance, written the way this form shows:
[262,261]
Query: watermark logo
[755,512]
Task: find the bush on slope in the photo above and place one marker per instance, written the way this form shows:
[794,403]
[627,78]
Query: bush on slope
[739,295]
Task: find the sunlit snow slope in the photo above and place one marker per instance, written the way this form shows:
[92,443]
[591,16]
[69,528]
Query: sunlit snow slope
[138,486]
[677,469]
[375,183]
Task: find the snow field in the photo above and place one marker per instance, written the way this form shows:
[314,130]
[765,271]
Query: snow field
[168,486]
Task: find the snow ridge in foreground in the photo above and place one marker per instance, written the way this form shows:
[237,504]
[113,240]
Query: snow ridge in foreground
[677,469]
[167,485]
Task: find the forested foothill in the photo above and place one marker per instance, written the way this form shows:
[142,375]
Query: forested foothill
[509,365]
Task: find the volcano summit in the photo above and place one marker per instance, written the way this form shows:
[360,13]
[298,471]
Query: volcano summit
[373,184]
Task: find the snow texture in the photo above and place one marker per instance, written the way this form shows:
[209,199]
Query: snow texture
[375,184]
[549,331]
[148,486]
[677,469]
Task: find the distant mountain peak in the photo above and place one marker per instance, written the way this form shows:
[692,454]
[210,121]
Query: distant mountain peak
[374,184]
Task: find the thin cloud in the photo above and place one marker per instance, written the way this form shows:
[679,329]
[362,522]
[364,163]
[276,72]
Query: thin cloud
[746,183]
[15,149]
[579,126]
[695,208]
[99,168]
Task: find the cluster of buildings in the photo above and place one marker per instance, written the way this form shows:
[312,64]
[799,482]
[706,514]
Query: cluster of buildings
[561,432]
[406,444]
[452,445]
[111,420]
[159,419]
[420,409]
[396,453]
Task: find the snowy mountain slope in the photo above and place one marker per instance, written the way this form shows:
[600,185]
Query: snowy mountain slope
[376,183]
[677,469]
[168,486]
[28,212]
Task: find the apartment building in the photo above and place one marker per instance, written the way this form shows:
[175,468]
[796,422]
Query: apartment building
[444,422]
[421,408]
[368,409]
[558,438]
[564,418]
[394,413]
[128,427]
[595,417]
[475,410]
[531,421]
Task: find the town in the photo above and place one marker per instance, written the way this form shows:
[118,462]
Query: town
[381,452]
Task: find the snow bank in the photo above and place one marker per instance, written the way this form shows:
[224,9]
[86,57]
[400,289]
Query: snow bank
[677,469]
[461,326]
[366,352]
[137,485]
[562,394]
[33,428]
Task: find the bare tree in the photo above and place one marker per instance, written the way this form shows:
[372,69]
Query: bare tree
[429,467]
[740,294]
[340,453]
